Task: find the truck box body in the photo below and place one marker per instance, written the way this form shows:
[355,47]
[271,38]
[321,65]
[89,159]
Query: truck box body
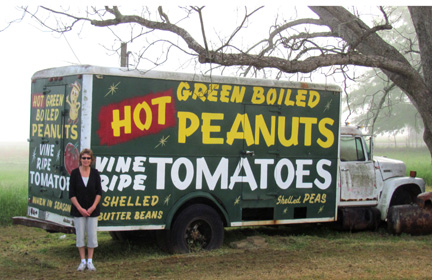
[258,151]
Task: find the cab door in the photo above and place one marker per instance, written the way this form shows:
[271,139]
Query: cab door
[357,173]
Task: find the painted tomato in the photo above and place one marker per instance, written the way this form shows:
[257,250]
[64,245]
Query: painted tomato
[71,158]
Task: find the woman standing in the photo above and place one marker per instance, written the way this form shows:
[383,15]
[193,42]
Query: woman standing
[85,193]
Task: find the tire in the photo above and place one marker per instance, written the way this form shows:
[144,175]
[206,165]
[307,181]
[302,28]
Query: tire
[402,197]
[198,227]
[118,235]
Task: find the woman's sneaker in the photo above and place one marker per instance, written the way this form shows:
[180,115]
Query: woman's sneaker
[91,267]
[82,266]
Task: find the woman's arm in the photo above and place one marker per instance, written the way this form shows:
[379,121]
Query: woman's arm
[95,203]
[83,211]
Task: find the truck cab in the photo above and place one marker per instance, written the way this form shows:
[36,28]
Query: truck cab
[370,185]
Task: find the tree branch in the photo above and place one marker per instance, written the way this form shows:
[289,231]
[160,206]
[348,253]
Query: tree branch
[309,64]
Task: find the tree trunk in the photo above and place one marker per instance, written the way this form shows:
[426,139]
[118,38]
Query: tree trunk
[422,20]
[352,30]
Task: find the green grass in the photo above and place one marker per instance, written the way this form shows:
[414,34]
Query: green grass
[13,181]
[416,159]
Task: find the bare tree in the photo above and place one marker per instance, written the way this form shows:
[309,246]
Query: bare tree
[353,43]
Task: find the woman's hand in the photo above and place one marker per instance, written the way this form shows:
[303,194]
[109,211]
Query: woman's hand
[90,210]
[84,212]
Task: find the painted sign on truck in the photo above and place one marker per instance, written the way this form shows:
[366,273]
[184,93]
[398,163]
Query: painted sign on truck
[241,151]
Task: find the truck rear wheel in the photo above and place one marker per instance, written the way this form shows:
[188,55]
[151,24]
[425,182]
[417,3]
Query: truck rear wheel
[198,227]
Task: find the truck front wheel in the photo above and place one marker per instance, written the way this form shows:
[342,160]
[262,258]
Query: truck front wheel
[403,196]
[197,227]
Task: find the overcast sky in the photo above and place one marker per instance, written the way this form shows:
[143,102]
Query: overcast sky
[25,49]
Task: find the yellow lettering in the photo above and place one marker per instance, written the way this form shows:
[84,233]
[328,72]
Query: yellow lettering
[326,133]
[105,201]
[271,96]
[301,98]
[183,91]
[212,94]
[238,94]
[137,202]
[225,93]
[129,203]
[47,132]
[161,102]
[314,98]
[39,115]
[116,124]
[61,98]
[146,201]
[281,96]
[38,100]
[185,131]
[122,201]
[261,126]
[308,129]
[155,200]
[234,133]
[207,128]
[114,201]
[137,116]
[294,132]
[74,131]
[67,126]
[312,197]
[200,91]
[258,95]
[288,101]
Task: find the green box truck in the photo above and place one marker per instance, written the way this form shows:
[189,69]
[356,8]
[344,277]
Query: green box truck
[188,155]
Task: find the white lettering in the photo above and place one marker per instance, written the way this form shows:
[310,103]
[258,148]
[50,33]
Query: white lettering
[138,165]
[324,174]
[264,163]
[220,172]
[125,181]
[284,184]
[301,172]
[248,178]
[175,173]
[160,173]
[123,164]
[139,182]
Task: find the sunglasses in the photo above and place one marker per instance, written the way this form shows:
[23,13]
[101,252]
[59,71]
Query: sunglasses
[86,158]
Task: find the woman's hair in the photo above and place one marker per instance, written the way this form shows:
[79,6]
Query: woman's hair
[87,152]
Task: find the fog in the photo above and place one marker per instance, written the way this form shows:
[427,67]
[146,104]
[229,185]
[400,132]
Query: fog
[26,49]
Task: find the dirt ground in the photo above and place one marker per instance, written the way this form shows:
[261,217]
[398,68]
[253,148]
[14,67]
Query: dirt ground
[29,253]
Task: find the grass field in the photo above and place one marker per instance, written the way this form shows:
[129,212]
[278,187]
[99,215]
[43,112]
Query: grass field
[13,180]
[415,159]
[306,252]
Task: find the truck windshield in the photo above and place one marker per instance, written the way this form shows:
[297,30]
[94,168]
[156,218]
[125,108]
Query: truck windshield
[351,149]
